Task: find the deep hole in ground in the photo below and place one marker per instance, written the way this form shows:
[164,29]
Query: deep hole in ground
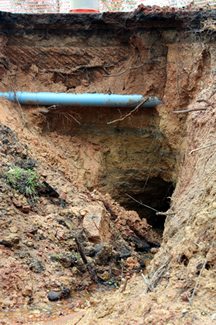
[126,183]
[132,157]
[156,194]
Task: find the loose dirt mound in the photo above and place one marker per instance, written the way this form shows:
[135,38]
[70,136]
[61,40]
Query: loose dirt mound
[42,212]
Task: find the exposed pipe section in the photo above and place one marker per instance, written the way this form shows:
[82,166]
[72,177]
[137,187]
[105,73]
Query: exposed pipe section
[90,100]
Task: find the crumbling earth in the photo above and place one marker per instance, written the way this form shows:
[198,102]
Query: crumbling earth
[40,259]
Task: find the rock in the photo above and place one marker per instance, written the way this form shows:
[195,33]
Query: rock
[81,266]
[105,253]
[94,302]
[53,295]
[154,250]
[132,263]
[60,234]
[36,266]
[90,251]
[13,229]
[28,243]
[213,317]
[98,248]
[29,235]
[27,291]
[75,271]
[22,254]
[26,208]
[142,264]
[96,224]
[11,240]
[26,163]
[62,195]
[85,83]
[184,297]
[91,224]
[65,293]
[33,230]
[105,276]
[16,203]
[67,260]
[140,244]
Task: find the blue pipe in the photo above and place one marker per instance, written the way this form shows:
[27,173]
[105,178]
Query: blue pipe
[68,99]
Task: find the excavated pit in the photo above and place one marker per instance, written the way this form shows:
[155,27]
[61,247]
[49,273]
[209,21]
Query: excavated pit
[124,53]
[134,159]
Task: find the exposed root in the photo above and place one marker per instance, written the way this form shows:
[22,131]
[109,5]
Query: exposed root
[130,113]
[158,274]
[190,110]
[147,283]
[130,68]
[206,101]
[81,67]
[203,147]
[146,206]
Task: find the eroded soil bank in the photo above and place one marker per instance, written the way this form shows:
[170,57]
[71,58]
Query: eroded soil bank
[82,164]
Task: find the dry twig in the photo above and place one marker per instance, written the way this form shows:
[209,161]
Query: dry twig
[177,74]
[17,101]
[91,270]
[206,101]
[146,206]
[147,283]
[79,319]
[190,110]
[165,213]
[130,68]
[159,273]
[158,213]
[122,72]
[204,264]
[203,267]
[65,115]
[123,287]
[85,67]
[203,147]
[131,112]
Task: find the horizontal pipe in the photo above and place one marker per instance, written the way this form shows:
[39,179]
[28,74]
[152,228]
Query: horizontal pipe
[68,99]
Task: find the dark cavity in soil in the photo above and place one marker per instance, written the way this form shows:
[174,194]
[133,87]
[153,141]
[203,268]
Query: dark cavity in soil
[156,194]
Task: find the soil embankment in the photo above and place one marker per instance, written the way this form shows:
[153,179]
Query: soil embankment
[80,163]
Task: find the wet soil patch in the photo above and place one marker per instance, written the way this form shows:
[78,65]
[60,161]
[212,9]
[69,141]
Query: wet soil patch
[42,312]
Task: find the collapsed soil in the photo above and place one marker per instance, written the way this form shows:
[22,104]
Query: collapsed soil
[38,253]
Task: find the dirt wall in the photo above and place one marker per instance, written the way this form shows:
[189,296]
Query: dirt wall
[124,54]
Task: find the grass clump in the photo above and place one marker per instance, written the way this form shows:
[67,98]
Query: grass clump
[25,181]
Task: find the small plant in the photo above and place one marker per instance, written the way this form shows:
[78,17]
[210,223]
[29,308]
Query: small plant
[76,255]
[55,257]
[112,283]
[25,181]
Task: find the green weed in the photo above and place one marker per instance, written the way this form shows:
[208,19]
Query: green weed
[25,181]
